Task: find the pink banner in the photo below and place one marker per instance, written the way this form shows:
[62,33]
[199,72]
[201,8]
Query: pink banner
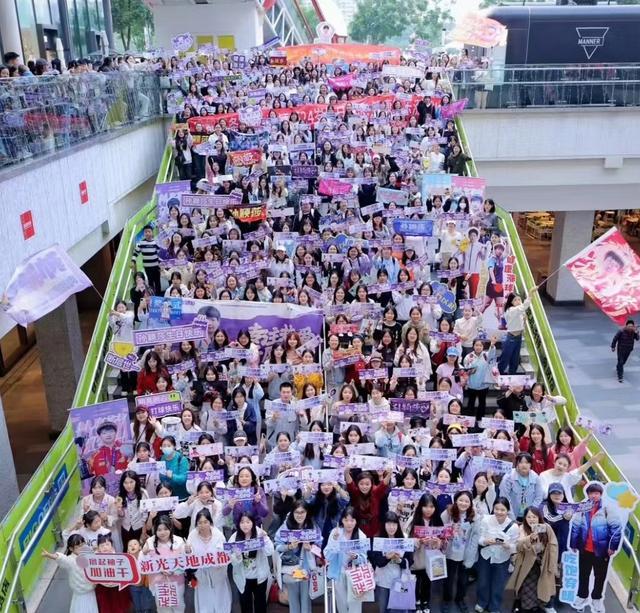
[608,270]
[343,82]
[474,29]
[334,187]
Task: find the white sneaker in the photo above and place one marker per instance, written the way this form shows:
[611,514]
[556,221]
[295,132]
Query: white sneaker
[580,603]
[597,606]
[478,609]
[549,610]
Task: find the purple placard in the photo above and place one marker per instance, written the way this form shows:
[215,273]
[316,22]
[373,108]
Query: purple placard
[304,171]
[161,405]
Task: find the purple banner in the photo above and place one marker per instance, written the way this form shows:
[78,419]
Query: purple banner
[41,283]
[161,405]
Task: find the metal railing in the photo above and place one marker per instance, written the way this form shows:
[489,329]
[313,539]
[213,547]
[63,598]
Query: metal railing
[41,115]
[548,365]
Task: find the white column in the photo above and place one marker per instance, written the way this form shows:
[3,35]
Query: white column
[571,234]
[8,478]
[10,28]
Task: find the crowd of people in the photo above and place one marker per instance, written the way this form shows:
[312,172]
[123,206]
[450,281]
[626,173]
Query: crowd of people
[377,457]
[46,105]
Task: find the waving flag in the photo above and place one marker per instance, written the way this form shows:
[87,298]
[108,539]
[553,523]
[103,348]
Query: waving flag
[608,270]
[454,109]
[41,283]
[474,29]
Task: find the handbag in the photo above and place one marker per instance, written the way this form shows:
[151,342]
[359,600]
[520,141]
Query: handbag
[361,582]
[402,594]
[316,583]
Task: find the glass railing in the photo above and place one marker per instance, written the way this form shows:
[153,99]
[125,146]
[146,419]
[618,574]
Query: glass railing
[49,499]
[548,85]
[41,115]
[547,363]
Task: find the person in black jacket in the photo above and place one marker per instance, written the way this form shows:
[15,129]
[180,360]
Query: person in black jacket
[456,163]
[389,566]
[426,110]
[624,340]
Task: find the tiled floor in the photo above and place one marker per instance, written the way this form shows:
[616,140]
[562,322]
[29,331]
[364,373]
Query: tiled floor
[583,335]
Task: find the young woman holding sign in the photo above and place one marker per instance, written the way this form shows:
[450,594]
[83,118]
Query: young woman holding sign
[297,558]
[164,543]
[251,572]
[212,589]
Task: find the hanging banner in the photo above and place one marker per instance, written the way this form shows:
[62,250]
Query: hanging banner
[608,270]
[474,29]
[325,52]
[41,283]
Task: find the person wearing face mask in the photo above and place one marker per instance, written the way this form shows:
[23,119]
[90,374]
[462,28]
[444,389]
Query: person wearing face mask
[177,467]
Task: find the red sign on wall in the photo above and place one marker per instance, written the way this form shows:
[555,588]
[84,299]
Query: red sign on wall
[28,229]
[84,193]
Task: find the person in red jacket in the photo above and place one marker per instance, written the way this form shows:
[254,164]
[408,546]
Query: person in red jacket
[532,441]
[148,376]
[367,499]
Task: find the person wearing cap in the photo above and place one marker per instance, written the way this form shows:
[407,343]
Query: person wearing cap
[451,370]
[108,458]
[560,522]
[281,262]
[596,536]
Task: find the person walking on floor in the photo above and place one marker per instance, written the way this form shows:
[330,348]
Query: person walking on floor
[623,341]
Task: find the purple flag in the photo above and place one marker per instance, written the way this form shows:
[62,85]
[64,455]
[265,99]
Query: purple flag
[41,283]
[454,109]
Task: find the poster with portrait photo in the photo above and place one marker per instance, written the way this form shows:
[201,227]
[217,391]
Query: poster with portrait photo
[103,439]
[496,281]
[595,537]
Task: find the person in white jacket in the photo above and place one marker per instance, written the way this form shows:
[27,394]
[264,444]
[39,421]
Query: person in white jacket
[462,548]
[347,531]
[83,592]
[203,499]
[498,537]
[251,571]
[213,592]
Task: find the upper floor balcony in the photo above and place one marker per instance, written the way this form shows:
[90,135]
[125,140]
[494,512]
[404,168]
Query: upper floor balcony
[537,85]
[42,115]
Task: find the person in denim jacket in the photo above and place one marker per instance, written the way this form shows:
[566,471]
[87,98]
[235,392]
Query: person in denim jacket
[595,535]
[521,486]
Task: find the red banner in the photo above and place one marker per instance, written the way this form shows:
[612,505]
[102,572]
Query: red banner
[247,157]
[308,113]
[608,270]
[249,213]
